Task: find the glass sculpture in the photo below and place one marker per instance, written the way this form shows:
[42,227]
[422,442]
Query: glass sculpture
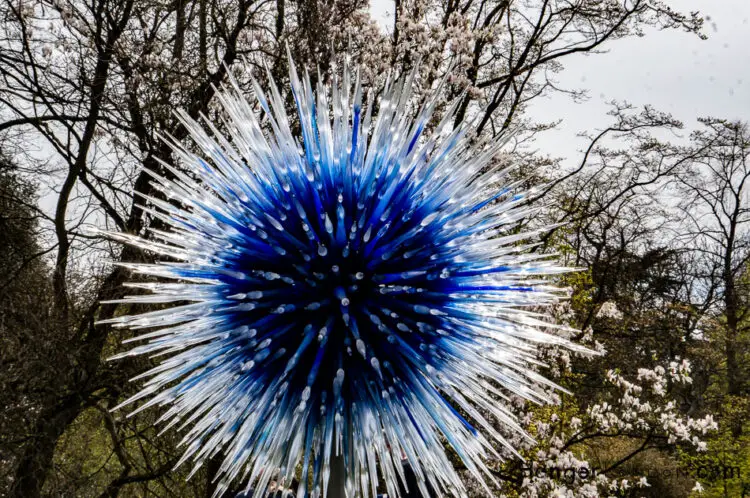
[360,293]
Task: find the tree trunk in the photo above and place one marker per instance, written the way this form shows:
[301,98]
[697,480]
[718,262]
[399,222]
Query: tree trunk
[36,459]
[54,419]
[732,309]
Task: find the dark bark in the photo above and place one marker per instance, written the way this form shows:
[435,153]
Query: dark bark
[202,36]
[732,310]
[179,37]
[36,461]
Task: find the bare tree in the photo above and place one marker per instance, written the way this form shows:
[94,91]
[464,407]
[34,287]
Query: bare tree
[716,206]
[96,86]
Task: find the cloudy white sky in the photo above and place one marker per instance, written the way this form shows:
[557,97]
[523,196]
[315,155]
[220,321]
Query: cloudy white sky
[673,71]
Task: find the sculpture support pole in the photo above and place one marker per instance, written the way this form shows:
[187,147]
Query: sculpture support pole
[337,481]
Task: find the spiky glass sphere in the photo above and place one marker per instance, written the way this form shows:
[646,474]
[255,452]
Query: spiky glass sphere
[360,295]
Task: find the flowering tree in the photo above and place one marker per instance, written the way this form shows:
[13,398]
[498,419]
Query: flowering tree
[639,411]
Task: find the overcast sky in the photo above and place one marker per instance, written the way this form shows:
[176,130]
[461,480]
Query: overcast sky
[673,71]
